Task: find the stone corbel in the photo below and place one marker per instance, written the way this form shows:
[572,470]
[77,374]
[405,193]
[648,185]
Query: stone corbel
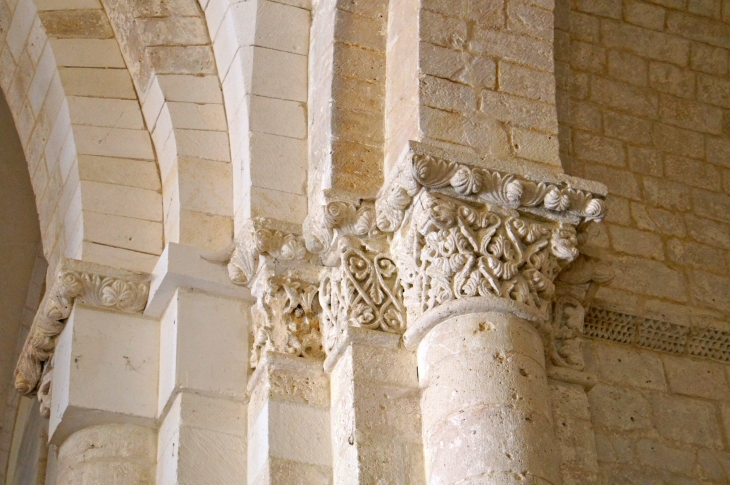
[76,281]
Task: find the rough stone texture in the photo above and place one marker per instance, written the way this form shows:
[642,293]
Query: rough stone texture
[641,89]
[149,122]
[656,417]
[288,421]
[486,400]
[376,413]
[116,454]
[442,85]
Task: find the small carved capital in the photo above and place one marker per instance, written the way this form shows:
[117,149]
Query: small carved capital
[448,249]
[363,291]
[89,283]
[286,316]
[265,237]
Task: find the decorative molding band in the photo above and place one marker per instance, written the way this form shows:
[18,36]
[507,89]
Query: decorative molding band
[557,197]
[663,336]
[89,283]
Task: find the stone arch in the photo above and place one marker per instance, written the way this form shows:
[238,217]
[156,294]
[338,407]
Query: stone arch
[261,50]
[91,160]
[169,54]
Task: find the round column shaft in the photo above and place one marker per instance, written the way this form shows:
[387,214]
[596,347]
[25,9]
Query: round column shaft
[112,454]
[486,410]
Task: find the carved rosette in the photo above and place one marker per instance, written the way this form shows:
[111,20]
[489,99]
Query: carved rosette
[421,171]
[362,291]
[449,250]
[286,316]
[88,283]
[264,237]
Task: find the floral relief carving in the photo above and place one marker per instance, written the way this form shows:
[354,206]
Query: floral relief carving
[362,291]
[450,250]
[479,184]
[340,218]
[286,316]
[88,284]
[264,237]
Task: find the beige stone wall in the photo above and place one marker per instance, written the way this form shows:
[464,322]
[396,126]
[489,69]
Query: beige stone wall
[643,99]
[659,418]
[643,94]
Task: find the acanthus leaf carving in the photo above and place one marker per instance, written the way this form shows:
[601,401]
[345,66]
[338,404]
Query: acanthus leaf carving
[286,316]
[264,237]
[449,249]
[337,218]
[91,284]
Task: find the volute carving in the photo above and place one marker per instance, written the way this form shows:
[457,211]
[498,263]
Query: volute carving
[91,284]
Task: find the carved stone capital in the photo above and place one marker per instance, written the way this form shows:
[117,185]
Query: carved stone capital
[546,194]
[448,249]
[286,316]
[89,283]
[265,237]
[362,291]
[340,214]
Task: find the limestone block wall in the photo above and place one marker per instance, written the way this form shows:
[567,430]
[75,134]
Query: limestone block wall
[658,418]
[472,75]
[643,98]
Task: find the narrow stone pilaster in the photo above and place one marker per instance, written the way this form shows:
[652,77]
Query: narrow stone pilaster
[288,422]
[376,417]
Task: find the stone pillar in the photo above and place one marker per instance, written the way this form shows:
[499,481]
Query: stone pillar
[486,408]
[477,252]
[375,412]
[376,418]
[201,390]
[112,454]
[288,411]
[288,422]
